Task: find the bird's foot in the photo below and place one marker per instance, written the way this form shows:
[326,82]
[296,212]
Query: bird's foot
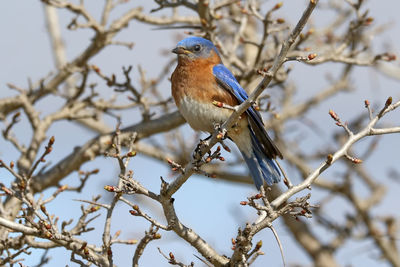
[197,155]
[217,126]
[221,133]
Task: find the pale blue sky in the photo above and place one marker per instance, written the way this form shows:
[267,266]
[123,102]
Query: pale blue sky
[25,53]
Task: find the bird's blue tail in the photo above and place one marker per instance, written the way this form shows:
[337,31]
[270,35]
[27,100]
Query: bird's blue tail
[261,167]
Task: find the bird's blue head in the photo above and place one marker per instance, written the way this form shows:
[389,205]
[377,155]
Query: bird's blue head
[195,47]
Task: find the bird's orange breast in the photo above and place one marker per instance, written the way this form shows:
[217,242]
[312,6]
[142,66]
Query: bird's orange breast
[195,79]
[194,88]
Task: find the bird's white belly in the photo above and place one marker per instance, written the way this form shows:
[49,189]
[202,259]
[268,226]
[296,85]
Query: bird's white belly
[202,116]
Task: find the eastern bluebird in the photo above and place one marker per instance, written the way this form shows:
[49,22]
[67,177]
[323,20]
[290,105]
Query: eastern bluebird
[199,79]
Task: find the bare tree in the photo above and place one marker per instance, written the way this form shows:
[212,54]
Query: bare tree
[258,44]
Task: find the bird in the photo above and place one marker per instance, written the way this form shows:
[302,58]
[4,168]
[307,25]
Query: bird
[198,82]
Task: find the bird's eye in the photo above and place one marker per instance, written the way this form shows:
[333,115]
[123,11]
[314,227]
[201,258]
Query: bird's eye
[197,48]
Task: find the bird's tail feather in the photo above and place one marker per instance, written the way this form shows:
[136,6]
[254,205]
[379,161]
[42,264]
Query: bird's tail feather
[261,167]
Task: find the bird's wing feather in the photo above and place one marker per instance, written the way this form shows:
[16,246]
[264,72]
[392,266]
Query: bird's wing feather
[227,81]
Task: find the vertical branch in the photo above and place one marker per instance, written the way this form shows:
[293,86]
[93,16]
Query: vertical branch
[57,43]
[106,12]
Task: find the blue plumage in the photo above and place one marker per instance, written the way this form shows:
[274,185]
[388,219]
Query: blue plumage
[260,164]
[229,82]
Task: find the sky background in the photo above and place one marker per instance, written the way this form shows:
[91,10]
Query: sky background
[25,53]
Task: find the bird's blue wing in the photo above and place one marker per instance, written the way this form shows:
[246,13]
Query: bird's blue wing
[226,79]
[228,82]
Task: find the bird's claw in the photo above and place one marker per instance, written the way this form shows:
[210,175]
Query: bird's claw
[221,133]
[197,155]
[217,126]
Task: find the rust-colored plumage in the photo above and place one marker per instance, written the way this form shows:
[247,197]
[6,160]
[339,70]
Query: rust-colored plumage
[193,80]
[187,81]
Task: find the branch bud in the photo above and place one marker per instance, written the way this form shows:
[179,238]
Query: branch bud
[171,256]
[49,149]
[48,235]
[258,245]
[368,21]
[280,20]
[43,208]
[117,233]
[95,68]
[388,101]
[278,5]
[157,236]
[110,188]
[131,154]
[6,190]
[218,104]
[333,115]
[133,212]
[62,188]
[94,209]
[47,225]
[22,185]
[227,149]
[329,159]
[391,57]
[311,56]
[51,141]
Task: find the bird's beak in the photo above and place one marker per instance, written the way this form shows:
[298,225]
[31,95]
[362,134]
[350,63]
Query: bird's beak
[180,50]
